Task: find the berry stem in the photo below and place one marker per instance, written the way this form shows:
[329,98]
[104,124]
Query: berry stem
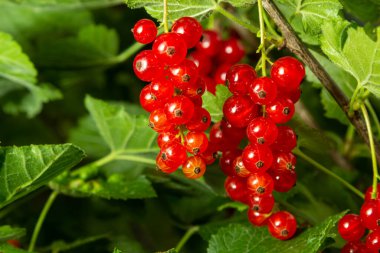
[186,237]
[372,147]
[250,27]
[165,17]
[271,30]
[348,139]
[41,220]
[128,52]
[374,116]
[328,172]
[262,38]
[133,158]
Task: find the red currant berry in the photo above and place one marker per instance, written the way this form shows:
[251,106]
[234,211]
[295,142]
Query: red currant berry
[286,140]
[148,100]
[167,137]
[216,133]
[282,225]
[262,131]
[194,90]
[179,110]
[368,193]
[146,66]
[189,28]
[284,180]
[256,218]
[163,167]
[232,133]
[209,43]
[203,62]
[239,77]
[200,121]
[284,161]
[239,169]
[197,101]
[370,214]
[261,204]
[226,162]
[158,121]
[173,154]
[239,111]
[260,184]
[231,51]
[257,158]
[163,90]
[288,73]
[236,188]
[210,155]
[350,227]
[280,110]
[170,48]
[263,91]
[144,31]
[355,247]
[293,95]
[221,73]
[373,241]
[196,142]
[194,167]
[184,74]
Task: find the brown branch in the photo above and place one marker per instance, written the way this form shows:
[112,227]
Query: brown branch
[293,43]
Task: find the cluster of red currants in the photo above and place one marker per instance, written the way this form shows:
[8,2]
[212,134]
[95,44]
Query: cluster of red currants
[174,95]
[255,109]
[352,227]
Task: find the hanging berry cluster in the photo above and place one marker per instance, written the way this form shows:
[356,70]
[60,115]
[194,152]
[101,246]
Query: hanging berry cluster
[352,227]
[256,110]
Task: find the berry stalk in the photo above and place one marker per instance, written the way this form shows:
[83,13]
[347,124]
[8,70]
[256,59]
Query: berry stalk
[165,17]
[262,38]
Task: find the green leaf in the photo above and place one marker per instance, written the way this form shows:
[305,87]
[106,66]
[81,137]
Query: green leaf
[115,250]
[53,5]
[8,232]
[344,53]
[6,248]
[17,74]
[58,246]
[245,238]
[214,103]
[168,251]
[25,169]
[364,10]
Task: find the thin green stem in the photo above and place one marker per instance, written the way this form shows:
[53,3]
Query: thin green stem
[128,52]
[165,17]
[186,237]
[93,167]
[373,152]
[354,98]
[140,150]
[349,139]
[374,116]
[139,159]
[262,38]
[271,30]
[41,220]
[231,17]
[328,172]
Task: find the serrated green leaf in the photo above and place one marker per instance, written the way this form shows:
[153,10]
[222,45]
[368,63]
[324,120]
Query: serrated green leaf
[8,232]
[245,239]
[25,169]
[214,103]
[359,55]
[17,74]
[240,3]
[6,248]
[53,5]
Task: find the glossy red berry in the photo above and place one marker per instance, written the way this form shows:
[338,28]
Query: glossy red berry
[196,142]
[263,90]
[163,90]
[239,110]
[284,180]
[194,90]
[257,158]
[144,31]
[146,66]
[355,247]
[179,110]
[282,225]
[209,43]
[281,110]
[163,167]
[173,154]
[210,155]
[189,28]
[194,167]
[216,133]
[288,73]
[202,61]
[239,77]
[370,214]
[373,241]
[236,188]
[166,137]
[286,140]
[158,121]
[220,73]
[368,193]
[149,102]
[262,130]
[284,161]
[256,218]
[233,134]
[350,227]
[260,184]
[170,48]
[261,204]
[226,162]
[200,121]
[239,169]
[231,51]
[184,74]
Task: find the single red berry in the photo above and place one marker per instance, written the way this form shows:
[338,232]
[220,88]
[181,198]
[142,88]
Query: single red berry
[148,100]
[260,184]
[202,61]
[262,130]
[209,43]
[282,225]
[239,77]
[163,90]
[284,180]
[200,121]
[189,28]
[355,247]
[216,133]
[170,48]
[257,158]
[236,188]
[368,193]
[286,140]
[196,89]
[239,110]
[166,137]
[194,167]
[144,31]
[288,73]
[221,73]
[146,66]
[179,110]
[196,142]
[350,227]
[233,134]
[231,51]
[373,241]
[370,214]
[281,110]
[210,155]
[163,167]
[158,121]
[239,169]
[261,204]
[226,162]
[284,161]
[173,154]
[184,74]
[263,90]
[256,218]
